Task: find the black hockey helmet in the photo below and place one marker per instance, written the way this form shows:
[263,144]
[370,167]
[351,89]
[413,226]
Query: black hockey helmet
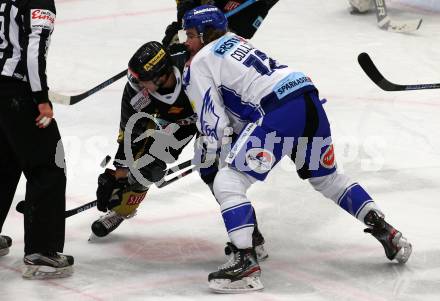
[150,61]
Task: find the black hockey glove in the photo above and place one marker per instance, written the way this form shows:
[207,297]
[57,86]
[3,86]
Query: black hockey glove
[170,33]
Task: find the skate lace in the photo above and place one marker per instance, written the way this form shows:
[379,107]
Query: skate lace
[234,259]
[111,219]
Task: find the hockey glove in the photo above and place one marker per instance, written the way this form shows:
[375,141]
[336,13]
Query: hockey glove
[171,34]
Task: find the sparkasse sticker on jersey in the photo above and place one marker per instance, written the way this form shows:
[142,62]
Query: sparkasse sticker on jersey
[42,18]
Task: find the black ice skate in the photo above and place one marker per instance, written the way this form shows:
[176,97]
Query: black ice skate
[47,266]
[395,245]
[257,243]
[5,243]
[240,274]
[107,223]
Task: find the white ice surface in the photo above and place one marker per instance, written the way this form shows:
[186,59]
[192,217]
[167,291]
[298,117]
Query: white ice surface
[388,141]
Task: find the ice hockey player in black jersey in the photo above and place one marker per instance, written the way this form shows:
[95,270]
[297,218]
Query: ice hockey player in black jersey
[153,99]
[244,23]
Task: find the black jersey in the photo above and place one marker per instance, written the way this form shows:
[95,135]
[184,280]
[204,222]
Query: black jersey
[25,30]
[166,106]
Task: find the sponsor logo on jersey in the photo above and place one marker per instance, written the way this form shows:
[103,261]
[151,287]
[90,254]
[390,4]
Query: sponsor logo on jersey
[260,160]
[136,198]
[225,45]
[151,63]
[42,18]
[231,5]
[175,110]
[291,83]
[140,100]
[328,157]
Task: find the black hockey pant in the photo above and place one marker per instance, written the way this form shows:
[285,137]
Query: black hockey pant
[27,149]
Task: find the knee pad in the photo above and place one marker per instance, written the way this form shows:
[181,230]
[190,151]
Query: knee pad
[231,185]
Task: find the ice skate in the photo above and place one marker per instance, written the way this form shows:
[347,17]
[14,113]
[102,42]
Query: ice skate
[5,243]
[47,266]
[396,246]
[239,275]
[257,242]
[107,223]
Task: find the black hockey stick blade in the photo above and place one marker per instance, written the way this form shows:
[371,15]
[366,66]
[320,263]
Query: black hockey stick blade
[73,99]
[374,74]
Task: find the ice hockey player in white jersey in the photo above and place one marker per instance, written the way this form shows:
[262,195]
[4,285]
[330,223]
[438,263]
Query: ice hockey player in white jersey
[276,111]
[360,6]
[154,87]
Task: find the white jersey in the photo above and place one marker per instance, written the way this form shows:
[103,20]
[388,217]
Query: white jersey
[229,83]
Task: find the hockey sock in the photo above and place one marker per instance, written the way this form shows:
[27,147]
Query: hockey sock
[239,221]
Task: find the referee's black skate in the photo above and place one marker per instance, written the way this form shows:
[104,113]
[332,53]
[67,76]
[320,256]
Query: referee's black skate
[239,275]
[396,246]
[5,243]
[106,223]
[47,266]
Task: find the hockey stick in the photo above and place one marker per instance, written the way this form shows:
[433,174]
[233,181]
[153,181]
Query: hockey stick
[240,7]
[385,23]
[373,73]
[181,175]
[73,99]
[21,206]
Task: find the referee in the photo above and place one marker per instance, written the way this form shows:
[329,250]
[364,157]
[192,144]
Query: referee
[30,142]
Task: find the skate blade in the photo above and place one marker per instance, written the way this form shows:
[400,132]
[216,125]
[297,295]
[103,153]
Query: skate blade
[247,284]
[4,251]
[40,272]
[93,238]
[404,253]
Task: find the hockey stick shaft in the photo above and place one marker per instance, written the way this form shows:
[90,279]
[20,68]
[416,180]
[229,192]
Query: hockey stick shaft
[71,100]
[21,206]
[240,7]
[374,74]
